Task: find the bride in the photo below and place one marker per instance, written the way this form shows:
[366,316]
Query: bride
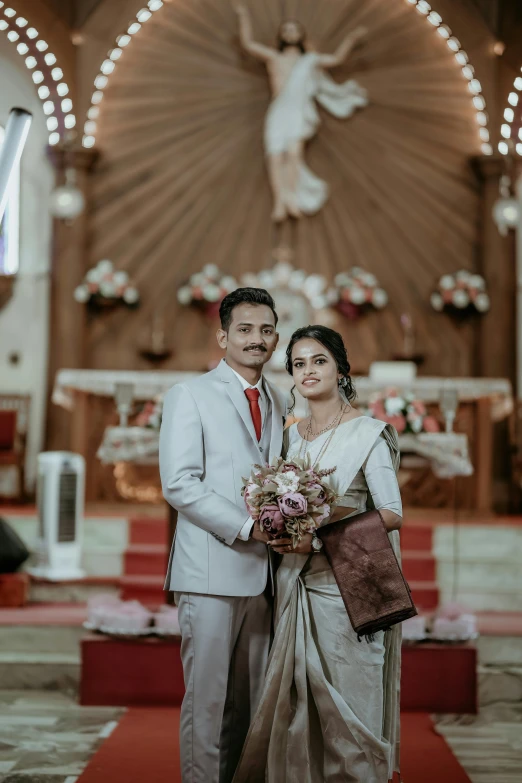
[330,706]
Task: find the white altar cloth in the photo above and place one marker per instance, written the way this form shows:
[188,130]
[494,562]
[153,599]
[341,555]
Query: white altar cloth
[447,453]
[148,384]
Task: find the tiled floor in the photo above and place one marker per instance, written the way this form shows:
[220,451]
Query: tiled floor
[490,751]
[45,737]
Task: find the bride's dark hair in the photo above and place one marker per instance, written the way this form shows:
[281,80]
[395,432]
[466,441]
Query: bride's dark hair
[334,344]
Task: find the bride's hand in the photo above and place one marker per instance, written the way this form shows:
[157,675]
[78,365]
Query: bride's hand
[283,546]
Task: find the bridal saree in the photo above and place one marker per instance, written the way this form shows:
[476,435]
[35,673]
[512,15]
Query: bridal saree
[329,712]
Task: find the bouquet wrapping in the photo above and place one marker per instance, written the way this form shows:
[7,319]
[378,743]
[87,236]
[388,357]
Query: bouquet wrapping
[288,498]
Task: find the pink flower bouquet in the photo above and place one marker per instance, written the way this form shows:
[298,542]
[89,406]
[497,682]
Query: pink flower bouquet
[288,498]
[402,411]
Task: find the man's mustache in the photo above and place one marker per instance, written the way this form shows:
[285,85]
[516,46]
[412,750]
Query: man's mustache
[255,348]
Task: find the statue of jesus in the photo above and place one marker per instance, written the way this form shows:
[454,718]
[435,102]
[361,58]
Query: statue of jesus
[297,80]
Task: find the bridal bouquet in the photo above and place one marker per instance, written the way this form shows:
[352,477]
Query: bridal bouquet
[288,498]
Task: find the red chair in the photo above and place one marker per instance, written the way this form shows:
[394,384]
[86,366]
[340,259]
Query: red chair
[14,411]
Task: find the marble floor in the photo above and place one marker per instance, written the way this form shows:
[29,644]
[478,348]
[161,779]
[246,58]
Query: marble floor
[45,737]
[489,750]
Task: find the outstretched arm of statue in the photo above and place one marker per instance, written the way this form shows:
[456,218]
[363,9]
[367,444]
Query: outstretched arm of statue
[343,50]
[245,36]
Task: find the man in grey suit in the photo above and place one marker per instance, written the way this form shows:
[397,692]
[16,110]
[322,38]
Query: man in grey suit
[214,429]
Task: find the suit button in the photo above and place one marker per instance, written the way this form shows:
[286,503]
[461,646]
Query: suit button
[261,449]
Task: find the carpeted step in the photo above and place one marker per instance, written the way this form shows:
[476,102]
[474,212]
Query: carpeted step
[425,594]
[416,537]
[144,588]
[148,530]
[146,560]
[419,566]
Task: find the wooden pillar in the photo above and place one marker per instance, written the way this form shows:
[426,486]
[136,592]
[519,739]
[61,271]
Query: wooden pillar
[67,317]
[496,350]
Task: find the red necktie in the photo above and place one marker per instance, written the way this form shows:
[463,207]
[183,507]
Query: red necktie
[255,411]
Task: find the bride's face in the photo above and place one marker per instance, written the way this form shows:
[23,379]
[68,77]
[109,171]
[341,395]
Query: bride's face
[314,370]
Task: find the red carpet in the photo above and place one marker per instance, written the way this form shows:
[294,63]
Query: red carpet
[144,747]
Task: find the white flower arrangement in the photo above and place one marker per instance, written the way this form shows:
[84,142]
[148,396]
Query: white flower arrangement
[313,287]
[206,289]
[460,293]
[357,291]
[103,285]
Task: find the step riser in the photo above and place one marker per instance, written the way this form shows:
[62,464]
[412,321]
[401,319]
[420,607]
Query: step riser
[145,564]
[20,676]
[416,538]
[144,531]
[425,600]
[149,597]
[79,593]
[419,570]
[40,638]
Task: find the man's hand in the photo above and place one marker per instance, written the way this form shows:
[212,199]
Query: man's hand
[259,535]
[283,546]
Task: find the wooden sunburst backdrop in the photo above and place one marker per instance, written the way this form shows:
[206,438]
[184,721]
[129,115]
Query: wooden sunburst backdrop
[182,180]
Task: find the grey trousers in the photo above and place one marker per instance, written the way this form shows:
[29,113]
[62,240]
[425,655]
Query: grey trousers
[224,651]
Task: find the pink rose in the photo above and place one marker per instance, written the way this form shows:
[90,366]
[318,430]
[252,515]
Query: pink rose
[293,504]
[288,467]
[271,519]
[319,500]
[399,422]
[419,407]
[254,513]
[378,410]
[431,424]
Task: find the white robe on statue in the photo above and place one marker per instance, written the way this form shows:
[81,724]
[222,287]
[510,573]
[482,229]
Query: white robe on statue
[293,116]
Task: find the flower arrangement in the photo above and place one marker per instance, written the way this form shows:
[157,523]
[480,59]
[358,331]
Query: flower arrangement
[105,285]
[288,498]
[151,413]
[460,293]
[206,289]
[402,411]
[358,291]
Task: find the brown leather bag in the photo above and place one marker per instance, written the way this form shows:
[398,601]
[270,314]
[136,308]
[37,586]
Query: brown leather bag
[375,593]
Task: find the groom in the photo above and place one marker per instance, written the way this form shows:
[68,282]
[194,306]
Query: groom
[214,428]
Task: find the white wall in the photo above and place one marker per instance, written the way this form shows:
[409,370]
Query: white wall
[24,319]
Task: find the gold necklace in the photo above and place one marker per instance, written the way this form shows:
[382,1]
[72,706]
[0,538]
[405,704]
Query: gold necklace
[322,451]
[316,434]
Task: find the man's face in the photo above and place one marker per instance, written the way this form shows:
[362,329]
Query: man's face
[251,338]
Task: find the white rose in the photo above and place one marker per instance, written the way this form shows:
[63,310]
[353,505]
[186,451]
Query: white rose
[211,271]
[120,278]
[460,298]
[446,282]
[356,271]
[82,294]
[478,282]
[104,267]
[437,302]
[394,405]
[379,298]
[197,279]
[357,295]
[93,275]
[463,275]
[297,279]
[249,280]
[107,289]
[332,296]
[266,279]
[184,295]
[314,285]
[318,302]
[211,293]
[131,295]
[416,424]
[286,482]
[482,303]
[341,279]
[369,279]
[229,283]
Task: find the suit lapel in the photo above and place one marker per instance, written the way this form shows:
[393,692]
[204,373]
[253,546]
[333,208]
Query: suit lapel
[276,437]
[238,397]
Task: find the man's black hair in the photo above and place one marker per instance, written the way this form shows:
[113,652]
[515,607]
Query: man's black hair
[255,296]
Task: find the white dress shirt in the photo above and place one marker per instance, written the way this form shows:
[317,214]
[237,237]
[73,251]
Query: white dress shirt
[244,533]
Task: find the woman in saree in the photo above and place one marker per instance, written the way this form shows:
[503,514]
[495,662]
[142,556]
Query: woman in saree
[330,706]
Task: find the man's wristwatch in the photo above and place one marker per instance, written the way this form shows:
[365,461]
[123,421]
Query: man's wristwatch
[317,544]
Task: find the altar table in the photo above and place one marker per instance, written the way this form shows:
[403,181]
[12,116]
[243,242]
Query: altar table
[491,401]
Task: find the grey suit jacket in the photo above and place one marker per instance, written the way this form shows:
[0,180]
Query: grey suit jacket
[207,445]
